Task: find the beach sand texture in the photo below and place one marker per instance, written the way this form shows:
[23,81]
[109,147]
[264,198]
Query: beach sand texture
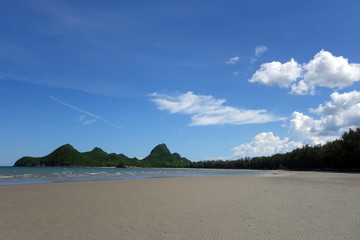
[291,205]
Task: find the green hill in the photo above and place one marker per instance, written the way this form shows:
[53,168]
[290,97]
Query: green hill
[65,155]
[68,156]
[161,156]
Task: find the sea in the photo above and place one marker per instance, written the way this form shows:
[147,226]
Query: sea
[34,175]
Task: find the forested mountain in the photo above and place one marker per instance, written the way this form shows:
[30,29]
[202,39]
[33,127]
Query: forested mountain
[160,156]
[342,154]
[68,156]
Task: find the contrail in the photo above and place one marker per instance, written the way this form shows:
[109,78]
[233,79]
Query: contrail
[85,112]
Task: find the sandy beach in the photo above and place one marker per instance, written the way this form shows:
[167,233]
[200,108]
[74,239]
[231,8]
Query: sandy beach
[291,205]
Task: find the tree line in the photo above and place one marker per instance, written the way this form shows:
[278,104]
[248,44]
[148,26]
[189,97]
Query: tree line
[342,154]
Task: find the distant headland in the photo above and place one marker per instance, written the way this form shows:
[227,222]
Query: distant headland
[68,156]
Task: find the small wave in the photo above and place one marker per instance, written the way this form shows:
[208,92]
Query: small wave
[95,173]
[6,177]
[39,175]
[25,175]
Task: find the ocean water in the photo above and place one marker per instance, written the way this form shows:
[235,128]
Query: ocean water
[32,175]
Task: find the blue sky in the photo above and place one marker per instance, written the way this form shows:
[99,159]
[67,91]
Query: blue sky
[211,79]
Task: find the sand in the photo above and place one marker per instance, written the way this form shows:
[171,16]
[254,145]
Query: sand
[292,205]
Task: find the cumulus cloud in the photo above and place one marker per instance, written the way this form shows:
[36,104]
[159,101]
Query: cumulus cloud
[335,117]
[207,110]
[232,60]
[324,70]
[259,50]
[265,144]
[302,88]
[277,73]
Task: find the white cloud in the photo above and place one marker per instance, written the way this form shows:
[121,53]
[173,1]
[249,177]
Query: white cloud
[265,144]
[277,73]
[324,70]
[335,117]
[302,88]
[303,128]
[232,60]
[86,121]
[259,50]
[207,110]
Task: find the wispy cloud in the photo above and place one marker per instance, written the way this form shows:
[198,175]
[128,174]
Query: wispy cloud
[86,121]
[207,110]
[259,50]
[232,60]
[85,112]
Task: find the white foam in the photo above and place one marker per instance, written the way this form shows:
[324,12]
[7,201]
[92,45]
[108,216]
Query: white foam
[26,175]
[6,177]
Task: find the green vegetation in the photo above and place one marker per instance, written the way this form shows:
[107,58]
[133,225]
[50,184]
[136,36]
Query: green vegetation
[340,155]
[160,156]
[68,156]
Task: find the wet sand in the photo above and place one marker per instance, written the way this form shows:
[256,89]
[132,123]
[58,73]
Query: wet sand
[291,205]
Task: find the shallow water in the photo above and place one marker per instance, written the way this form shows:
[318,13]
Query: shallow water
[31,175]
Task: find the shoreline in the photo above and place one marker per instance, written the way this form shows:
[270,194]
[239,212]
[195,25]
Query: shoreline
[289,205]
[36,175]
